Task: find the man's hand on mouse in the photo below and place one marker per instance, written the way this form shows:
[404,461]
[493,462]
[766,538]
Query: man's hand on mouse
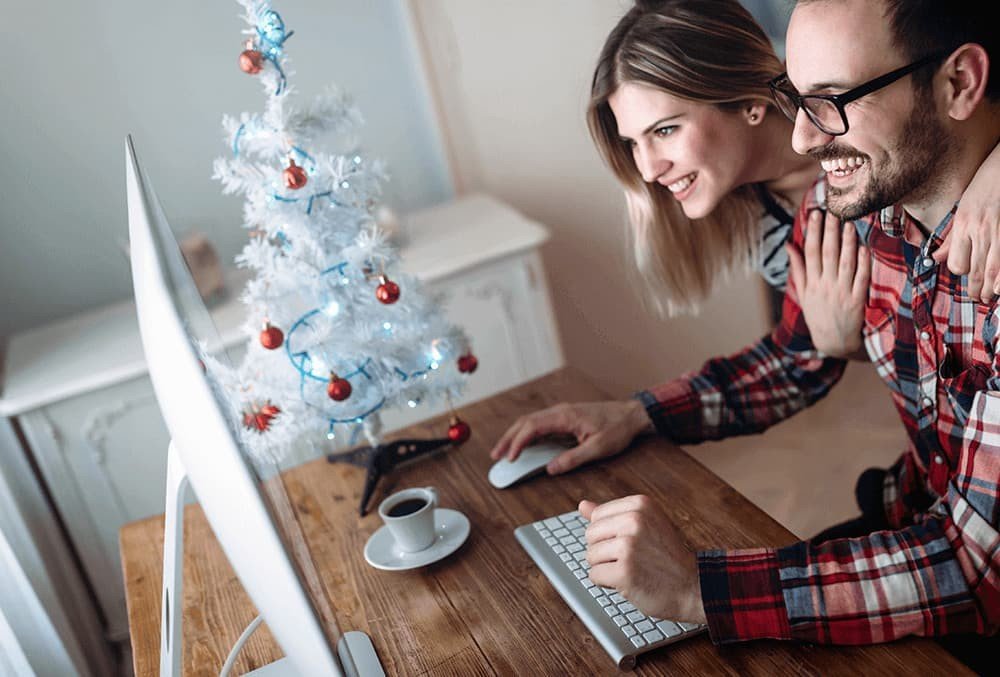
[600,428]
[634,548]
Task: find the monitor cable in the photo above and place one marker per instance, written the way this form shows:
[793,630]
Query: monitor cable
[227,667]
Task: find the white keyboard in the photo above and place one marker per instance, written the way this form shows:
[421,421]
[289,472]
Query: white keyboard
[559,548]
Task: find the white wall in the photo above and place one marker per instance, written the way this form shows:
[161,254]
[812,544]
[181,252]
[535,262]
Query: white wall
[512,79]
[78,76]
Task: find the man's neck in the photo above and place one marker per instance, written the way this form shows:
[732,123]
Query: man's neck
[974,143]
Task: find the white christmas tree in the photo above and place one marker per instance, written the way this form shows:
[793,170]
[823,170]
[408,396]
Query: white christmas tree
[338,335]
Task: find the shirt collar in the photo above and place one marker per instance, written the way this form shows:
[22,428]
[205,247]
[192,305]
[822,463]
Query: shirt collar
[893,221]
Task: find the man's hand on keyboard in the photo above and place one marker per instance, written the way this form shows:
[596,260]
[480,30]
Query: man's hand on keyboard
[600,428]
[634,548]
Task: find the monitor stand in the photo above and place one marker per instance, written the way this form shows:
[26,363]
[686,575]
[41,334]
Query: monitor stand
[355,650]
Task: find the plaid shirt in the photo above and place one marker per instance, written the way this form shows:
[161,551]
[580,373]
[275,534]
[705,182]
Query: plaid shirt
[938,571]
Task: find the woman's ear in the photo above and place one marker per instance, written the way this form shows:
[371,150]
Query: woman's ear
[755,113]
[966,72]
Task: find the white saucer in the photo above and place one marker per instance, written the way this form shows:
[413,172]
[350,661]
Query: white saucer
[451,527]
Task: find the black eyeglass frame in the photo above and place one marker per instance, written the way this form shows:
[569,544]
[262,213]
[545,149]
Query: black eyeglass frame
[841,100]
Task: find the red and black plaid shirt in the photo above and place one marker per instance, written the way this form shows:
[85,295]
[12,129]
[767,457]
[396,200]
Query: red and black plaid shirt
[938,571]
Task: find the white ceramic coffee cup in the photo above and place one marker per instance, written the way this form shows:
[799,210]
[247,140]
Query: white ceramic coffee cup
[413,531]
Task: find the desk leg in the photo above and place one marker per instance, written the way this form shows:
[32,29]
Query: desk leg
[172,611]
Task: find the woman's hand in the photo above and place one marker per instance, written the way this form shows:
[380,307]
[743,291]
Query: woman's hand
[601,429]
[973,245]
[832,283]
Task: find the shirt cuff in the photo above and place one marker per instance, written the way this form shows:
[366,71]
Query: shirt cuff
[675,409]
[742,596]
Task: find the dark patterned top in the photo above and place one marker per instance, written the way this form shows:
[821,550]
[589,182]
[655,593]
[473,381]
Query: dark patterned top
[775,229]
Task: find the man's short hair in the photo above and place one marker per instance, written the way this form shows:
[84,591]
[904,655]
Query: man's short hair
[922,27]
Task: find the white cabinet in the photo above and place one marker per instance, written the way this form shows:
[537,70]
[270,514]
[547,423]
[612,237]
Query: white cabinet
[79,390]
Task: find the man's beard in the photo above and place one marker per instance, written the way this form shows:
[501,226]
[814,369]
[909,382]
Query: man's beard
[909,171]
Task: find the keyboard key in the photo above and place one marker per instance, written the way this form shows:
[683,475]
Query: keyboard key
[585,564]
[644,626]
[634,616]
[559,533]
[566,557]
[558,549]
[638,641]
[611,610]
[587,583]
[580,555]
[609,591]
[568,517]
[626,606]
[539,526]
[669,628]
[596,592]
[618,599]
[579,532]
[568,540]
[604,601]
[628,630]
[580,574]
[552,523]
[575,547]
[551,541]
[652,636]
[620,620]
[688,626]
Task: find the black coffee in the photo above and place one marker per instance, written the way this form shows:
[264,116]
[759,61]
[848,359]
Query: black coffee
[407,507]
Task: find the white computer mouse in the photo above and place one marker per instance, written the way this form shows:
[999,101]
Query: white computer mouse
[531,461]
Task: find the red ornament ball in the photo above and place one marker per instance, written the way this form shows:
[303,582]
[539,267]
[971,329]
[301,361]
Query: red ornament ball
[467,363]
[459,431]
[339,389]
[388,291]
[272,337]
[251,61]
[295,177]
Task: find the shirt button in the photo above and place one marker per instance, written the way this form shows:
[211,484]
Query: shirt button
[924,335]
[928,401]
[927,261]
[938,459]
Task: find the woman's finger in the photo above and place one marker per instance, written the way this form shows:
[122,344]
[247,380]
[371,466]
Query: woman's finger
[992,274]
[977,265]
[796,268]
[814,239]
[863,276]
[848,255]
[831,244]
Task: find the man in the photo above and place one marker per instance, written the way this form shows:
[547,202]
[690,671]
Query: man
[898,154]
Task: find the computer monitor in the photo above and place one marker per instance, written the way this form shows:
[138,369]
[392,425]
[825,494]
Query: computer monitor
[242,496]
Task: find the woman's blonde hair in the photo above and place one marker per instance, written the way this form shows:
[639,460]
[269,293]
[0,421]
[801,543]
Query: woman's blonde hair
[708,51]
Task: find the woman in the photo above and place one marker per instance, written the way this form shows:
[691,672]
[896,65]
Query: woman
[681,111]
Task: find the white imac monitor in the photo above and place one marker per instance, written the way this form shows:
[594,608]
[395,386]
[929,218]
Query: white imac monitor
[242,498]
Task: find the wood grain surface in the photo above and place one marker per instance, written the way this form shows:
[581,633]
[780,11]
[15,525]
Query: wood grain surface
[486,609]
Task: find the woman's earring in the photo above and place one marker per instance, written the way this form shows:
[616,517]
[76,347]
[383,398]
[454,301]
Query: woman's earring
[753,117]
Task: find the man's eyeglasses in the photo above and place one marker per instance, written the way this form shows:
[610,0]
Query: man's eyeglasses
[826,111]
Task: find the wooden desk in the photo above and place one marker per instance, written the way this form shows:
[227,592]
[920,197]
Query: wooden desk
[486,609]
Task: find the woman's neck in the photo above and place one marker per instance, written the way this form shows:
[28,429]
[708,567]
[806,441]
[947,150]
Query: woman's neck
[783,172]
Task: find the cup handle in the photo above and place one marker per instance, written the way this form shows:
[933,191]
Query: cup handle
[434,496]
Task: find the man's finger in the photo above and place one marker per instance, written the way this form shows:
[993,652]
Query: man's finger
[619,506]
[588,450]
